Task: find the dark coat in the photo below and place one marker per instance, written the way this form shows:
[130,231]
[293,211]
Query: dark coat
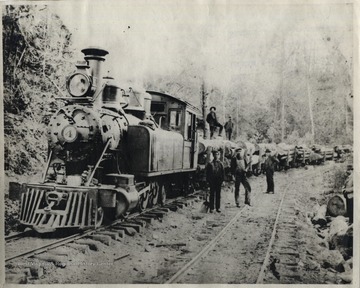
[211,118]
[238,165]
[270,163]
[215,172]
[229,126]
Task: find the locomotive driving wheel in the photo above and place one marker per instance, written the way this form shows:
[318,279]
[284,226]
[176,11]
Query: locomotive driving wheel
[99,216]
[144,200]
[162,194]
[154,194]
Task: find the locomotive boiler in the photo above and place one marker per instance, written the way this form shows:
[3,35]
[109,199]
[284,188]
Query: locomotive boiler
[110,151]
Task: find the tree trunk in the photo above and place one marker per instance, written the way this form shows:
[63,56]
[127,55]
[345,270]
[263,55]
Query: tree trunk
[309,69]
[282,115]
[237,116]
[311,112]
[336,206]
[204,108]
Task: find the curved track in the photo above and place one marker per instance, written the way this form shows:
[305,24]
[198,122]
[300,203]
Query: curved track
[63,241]
[201,257]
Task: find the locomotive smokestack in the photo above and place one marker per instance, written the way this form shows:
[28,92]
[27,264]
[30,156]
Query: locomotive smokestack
[95,57]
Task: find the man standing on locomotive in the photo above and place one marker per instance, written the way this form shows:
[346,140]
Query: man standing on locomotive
[269,166]
[215,177]
[239,169]
[229,126]
[213,122]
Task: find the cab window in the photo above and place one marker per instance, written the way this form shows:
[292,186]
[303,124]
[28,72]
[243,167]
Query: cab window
[175,120]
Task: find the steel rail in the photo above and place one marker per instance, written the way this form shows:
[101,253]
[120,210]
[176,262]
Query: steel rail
[77,236]
[16,236]
[205,250]
[267,256]
[222,232]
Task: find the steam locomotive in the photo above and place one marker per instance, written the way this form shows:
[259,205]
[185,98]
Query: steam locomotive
[110,151]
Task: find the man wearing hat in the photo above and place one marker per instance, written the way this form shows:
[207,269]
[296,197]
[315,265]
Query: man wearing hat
[215,177]
[213,122]
[348,192]
[269,167]
[229,126]
[239,168]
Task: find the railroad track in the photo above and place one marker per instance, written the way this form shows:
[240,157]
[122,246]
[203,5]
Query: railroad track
[200,257]
[16,236]
[123,226]
[263,274]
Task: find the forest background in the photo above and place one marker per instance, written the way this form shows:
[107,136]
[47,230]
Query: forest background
[281,81]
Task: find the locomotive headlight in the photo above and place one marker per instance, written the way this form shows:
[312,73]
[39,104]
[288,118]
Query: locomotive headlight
[78,84]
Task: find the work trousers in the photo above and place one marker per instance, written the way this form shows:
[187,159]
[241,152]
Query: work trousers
[350,208]
[215,191]
[241,178]
[270,181]
[213,128]
[228,134]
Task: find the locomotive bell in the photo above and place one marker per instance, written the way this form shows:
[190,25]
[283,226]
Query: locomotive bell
[111,98]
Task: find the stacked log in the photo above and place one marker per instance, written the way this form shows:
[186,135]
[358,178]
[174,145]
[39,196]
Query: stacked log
[315,158]
[302,154]
[286,154]
[341,236]
[328,153]
[320,215]
[226,146]
[336,206]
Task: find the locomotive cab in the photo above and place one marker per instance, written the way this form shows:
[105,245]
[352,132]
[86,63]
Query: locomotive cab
[174,114]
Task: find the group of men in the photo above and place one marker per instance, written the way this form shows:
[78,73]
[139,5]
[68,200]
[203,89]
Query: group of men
[239,167]
[214,123]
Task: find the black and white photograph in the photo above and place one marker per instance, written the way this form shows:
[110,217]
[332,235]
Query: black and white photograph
[179,142]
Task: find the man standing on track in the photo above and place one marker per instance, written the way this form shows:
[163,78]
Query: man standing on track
[215,177]
[348,191]
[269,167]
[239,169]
[213,122]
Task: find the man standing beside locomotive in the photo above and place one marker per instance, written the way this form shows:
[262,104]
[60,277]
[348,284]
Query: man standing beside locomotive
[269,167]
[348,192]
[213,122]
[229,126]
[215,177]
[239,169]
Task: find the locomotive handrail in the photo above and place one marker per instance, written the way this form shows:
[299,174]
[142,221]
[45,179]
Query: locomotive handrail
[97,95]
[98,163]
[47,166]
